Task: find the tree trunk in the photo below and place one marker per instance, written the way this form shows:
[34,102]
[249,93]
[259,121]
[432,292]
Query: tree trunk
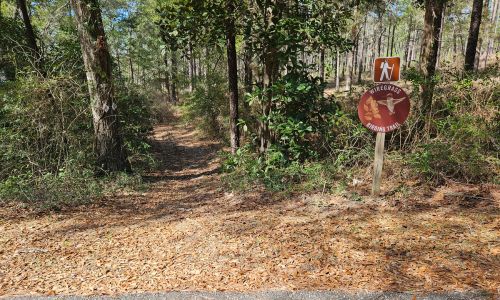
[407,44]
[322,64]
[118,63]
[167,77]
[363,49]
[475,23]
[492,32]
[247,62]
[337,71]
[30,33]
[430,45]
[392,38]
[173,77]
[191,68]
[131,66]
[232,71]
[440,40]
[109,148]
[381,33]
[387,50]
[344,63]
[414,51]
[270,74]
[455,45]
[348,78]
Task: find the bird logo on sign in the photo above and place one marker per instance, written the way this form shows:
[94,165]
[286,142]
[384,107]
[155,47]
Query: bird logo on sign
[390,102]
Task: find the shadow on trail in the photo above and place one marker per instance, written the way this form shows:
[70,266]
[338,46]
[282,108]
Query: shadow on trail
[160,178]
[181,150]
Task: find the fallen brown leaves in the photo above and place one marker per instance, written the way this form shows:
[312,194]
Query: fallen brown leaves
[187,234]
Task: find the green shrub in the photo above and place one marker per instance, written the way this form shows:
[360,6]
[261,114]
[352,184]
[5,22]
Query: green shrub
[46,138]
[463,140]
[461,151]
[51,191]
[208,105]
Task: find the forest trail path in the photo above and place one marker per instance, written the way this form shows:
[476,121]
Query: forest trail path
[186,233]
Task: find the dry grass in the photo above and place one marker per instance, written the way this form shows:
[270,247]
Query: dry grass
[188,234]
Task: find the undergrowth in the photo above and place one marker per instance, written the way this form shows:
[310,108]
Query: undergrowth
[460,144]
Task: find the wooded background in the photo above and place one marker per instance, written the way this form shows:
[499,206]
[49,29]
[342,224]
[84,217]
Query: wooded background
[83,82]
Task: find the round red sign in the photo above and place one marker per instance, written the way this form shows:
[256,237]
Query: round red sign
[384,108]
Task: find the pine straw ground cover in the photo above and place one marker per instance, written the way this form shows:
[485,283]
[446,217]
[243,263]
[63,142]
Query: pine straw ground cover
[185,233]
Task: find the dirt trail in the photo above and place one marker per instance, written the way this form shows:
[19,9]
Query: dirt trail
[186,233]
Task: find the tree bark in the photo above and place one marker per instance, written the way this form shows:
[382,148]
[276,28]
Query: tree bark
[348,77]
[430,45]
[322,64]
[270,72]
[109,148]
[363,49]
[30,33]
[387,50]
[407,44]
[337,71]
[380,34]
[492,32]
[247,59]
[167,77]
[191,68]
[475,23]
[392,38]
[232,71]
[173,77]
[440,39]
[247,62]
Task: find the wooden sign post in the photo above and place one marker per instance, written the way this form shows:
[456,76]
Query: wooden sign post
[378,163]
[382,109]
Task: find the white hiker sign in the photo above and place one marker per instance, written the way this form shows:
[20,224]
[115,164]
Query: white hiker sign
[386,69]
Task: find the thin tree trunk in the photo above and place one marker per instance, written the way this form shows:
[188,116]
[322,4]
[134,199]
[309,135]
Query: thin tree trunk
[109,148]
[387,50]
[247,60]
[381,33]
[322,64]
[363,47]
[191,68]
[131,66]
[167,77]
[30,33]
[472,41]
[414,51]
[392,38]
[118,63]
[337,72]
[270,74]
[349,71]
[173,77]
[492,31]
[430,45]
[407,45]
[344,64]
[247,65]
[232,71]
[440,40]
[455,45]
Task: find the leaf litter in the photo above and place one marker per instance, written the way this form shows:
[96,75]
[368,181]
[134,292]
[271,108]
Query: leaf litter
[185,233]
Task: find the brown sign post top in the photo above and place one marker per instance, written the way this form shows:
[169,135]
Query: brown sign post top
[386,69]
